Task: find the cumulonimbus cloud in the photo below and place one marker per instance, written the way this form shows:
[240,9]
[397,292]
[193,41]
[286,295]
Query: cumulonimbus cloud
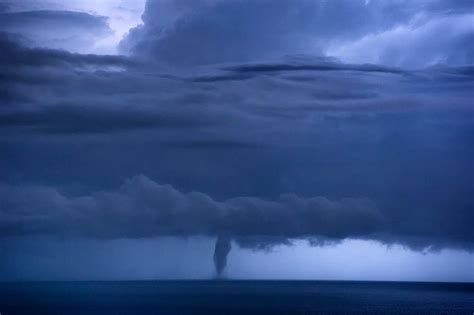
[184,33]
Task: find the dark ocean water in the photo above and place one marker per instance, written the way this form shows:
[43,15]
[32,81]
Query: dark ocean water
[236,297]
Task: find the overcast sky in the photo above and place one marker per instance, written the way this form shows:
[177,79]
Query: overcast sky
[298,139]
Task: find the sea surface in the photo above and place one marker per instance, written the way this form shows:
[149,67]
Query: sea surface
[236,297]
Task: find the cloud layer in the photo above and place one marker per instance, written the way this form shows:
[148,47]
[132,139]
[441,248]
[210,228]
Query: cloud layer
[142,208]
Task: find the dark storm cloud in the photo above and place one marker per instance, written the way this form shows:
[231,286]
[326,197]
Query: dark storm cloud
[161,210]
[186,32]
[223,31]
[83,120]
[397,142]
[197,100]
[222,77]
[15,55]
[325,65]
[291,64]
[142,208]
[56,29]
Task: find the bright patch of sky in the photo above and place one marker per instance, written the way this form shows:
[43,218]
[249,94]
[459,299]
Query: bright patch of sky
[122,16]
[169,258]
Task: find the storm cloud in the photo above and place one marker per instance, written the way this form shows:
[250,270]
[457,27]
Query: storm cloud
[253,122]
[141,208]
[236,31]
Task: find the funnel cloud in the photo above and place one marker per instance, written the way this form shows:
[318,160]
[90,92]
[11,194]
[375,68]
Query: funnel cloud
[222,249]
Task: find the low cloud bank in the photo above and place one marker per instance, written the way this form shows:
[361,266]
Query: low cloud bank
[142,208]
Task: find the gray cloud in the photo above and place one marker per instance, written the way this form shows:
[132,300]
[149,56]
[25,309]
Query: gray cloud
[17,55]
[75,31]
[184,33]
[142,208]
[80,120]
[445,40]
[298,113]
[304,64]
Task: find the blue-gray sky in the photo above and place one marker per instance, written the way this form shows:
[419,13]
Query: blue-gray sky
[301,133]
